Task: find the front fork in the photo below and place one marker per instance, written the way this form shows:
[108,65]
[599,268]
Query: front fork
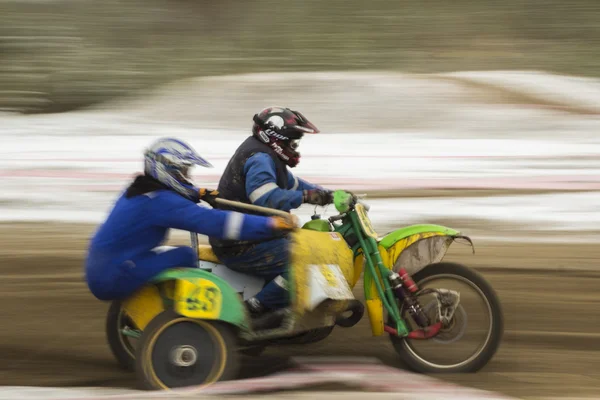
[396,286]
[405,288]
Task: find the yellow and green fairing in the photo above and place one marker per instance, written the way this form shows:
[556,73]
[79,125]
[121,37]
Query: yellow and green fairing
[412,247]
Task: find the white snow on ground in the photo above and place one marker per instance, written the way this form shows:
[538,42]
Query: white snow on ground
[69,167]
[441,104]
[572,91]
[375,380]
[76,178]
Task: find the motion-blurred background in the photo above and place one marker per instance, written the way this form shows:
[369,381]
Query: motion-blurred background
[64,54]
[481,115]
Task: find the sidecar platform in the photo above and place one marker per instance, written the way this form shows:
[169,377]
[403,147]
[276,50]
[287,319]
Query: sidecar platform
[247,285]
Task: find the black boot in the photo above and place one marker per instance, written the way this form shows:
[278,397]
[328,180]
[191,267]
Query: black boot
[254,307]
[261,317]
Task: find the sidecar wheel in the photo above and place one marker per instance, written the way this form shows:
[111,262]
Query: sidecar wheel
[448,340]
[177,351]
[120,345]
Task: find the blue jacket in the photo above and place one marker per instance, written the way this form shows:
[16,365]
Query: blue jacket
[120,257]
[262,189]
[255,174]
[137,225]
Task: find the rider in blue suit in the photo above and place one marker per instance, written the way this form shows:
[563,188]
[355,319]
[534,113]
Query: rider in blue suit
[258,174]
[124,253]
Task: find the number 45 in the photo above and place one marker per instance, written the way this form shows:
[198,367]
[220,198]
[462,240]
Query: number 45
[202,298]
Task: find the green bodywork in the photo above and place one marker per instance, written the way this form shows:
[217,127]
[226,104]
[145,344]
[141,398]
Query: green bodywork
[319,225]
[378,273]
[391,238]
[233,310]
[375,270]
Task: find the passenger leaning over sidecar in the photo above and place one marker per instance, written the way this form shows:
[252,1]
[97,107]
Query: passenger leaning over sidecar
[123,254]
[258,174]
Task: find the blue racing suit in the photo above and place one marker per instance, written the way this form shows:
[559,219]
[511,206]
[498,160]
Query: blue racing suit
[256,175]
[122,254]
[262,188]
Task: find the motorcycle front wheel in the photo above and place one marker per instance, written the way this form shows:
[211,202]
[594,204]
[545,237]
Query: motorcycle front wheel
[471,338]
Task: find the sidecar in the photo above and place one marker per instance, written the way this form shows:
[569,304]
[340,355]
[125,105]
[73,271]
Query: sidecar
[191,324]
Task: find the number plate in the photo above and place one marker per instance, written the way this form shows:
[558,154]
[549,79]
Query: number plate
[198,298]
[365,222]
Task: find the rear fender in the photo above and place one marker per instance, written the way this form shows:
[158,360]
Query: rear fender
[203,295]
[192,292]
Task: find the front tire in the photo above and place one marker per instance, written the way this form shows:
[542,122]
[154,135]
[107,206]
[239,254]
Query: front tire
[406,347]
[177,351]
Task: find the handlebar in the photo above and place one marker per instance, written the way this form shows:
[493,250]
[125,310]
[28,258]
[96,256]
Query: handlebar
[336,218]
[357,200]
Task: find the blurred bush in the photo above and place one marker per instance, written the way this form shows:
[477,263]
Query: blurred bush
[65,54]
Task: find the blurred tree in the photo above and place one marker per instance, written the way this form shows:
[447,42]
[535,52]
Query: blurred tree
[62,54]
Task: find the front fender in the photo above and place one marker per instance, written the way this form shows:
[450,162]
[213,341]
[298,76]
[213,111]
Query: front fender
[417,246]
[413,248]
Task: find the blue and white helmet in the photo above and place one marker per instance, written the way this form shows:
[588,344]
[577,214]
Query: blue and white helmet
[169,161]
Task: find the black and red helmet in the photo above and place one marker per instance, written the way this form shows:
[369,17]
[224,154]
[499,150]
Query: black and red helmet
[282,129]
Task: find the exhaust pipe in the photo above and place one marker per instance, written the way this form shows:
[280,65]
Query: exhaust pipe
[357,310]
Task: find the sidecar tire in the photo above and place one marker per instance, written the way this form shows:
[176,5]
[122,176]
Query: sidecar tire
[497,322]
[121,350]
[213,346]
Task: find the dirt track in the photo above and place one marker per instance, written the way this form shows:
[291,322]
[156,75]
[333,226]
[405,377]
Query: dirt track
[53,334]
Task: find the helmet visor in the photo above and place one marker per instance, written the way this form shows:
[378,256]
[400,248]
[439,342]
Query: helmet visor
[185,172]
[303,122]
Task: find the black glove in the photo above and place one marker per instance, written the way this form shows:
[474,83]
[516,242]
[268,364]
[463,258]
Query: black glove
[209,196]
[318,197]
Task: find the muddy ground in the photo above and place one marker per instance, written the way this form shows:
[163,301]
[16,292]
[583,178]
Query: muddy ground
[52,329]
